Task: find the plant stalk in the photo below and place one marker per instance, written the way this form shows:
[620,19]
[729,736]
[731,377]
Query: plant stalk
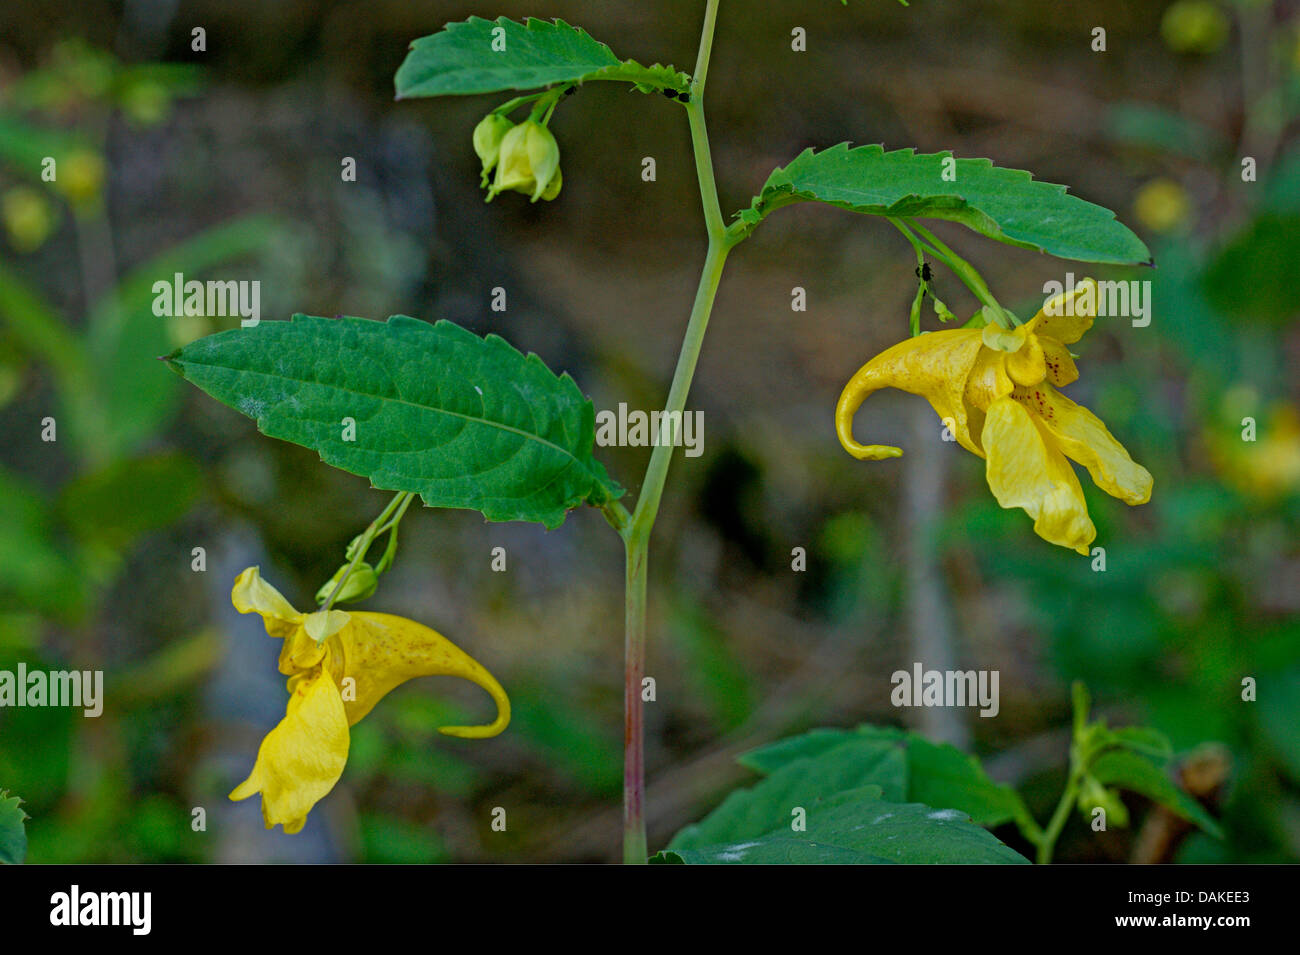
[636,529]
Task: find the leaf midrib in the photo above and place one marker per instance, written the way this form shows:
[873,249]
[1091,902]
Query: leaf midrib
[401,401]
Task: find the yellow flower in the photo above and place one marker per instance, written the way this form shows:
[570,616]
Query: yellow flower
[528,161]
[996,391]
[1162,205]
[339,666]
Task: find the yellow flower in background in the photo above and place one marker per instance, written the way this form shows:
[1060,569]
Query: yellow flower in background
[1194,26]
[28,218]
[1162,205]
[339,666]
[996,391]
[1260,459]
[80,176]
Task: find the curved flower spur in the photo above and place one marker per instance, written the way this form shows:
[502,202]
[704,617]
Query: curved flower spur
[339,664]
[996,389]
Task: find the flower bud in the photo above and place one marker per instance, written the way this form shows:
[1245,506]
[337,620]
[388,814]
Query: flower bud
[529,162]
[361,583]
[487,140]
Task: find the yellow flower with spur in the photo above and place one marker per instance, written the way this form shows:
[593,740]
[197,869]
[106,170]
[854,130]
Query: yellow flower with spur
[996,389]
[339,664]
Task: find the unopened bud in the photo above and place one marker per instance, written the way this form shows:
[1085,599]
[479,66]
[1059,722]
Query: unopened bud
[361,583]
[487,140]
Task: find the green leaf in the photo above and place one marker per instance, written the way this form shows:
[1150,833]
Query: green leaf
[13,835]
[461,420]
[116,504]
[768,805]
[461,59]
[1132,771]
[857,826]
[936,774]
[942,775]
[1008,205]
[768,759]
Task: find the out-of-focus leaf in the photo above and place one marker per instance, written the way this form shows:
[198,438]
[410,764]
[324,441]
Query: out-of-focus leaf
[1278,709]
[179,664]
[1249,276]
[857,826]
[35,573]
[1161,131]
[1133,771]
[25,146]
[714,672]
[1144,740]
[398,842]
[124,336]
[37,328]
[566,736]
[118,503]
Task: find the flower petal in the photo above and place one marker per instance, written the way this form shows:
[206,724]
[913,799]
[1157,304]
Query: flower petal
[1024,471]
[1028,366]
[1081,435]
[1061,369]
[934,365]
[988,380]
[1067,316]
[252,594]
[300,653]
[380,651]
[303,757]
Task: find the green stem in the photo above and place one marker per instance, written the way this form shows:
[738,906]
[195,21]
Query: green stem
[1047,842]
[635,850]
[367,537]
[636,528]
[961,268]
[510,106]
